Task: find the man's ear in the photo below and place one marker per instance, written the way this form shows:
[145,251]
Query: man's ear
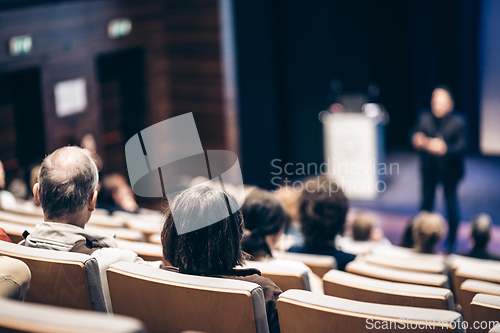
[92,202]
[36,195]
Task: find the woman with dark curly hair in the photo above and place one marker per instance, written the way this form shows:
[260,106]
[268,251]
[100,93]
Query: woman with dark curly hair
[214,250]
[322,214]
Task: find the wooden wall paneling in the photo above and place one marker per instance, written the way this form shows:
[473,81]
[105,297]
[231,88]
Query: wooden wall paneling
[183,63]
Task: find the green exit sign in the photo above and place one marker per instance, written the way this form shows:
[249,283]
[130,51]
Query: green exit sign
[119,28]
[20,45]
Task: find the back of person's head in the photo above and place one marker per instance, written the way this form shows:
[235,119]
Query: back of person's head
[212,249]
[265,218]
[322,210]
[427,231]
[290,198]
[67,180]
[480,231]
[362,226]
[407,240]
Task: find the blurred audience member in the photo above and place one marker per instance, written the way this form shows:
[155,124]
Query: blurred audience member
[481,236]
[88,142]
[114,191]
[365,235]
[7,199]
[363,227]
[116,194]
[427,232]
[2,176]
[214,250]
[265,220]
[407,240]
[322,216]
[290,197]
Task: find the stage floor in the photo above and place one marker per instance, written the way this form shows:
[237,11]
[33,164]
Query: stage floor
[479,192]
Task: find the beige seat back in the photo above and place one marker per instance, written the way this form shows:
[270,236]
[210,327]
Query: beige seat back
[360,288]
[471,288]
[35,318]
[320,265]
[64,279]
[172,302]
[360,267]
[474,272]
[284,276]
[416,264]
[485,309]
[147,251]
[454,261]
[302,311]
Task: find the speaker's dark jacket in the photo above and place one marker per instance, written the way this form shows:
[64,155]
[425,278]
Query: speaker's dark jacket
[448,168]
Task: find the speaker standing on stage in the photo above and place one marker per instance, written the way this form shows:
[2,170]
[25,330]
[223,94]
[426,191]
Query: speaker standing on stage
[440,136]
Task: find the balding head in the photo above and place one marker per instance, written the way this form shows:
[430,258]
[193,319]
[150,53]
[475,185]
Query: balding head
[67,181]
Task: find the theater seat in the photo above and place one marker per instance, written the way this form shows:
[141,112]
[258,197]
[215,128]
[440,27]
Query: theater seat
[173,302]
[27,317]
[485,308]
[416,264]
[360,288]
[147,251]
[474,272]
[408,253]
[470,288]
[302,311]
[320,265]
[360,267]
[455,261]
[284,276]
[60,278]
[20,219]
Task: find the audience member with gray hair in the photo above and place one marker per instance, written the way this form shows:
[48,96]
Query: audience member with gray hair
[67,192]
[427,231]
[481,236]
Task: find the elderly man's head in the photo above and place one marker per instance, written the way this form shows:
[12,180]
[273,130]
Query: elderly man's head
[66,187]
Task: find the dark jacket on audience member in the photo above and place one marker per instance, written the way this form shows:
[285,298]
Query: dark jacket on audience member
[341,257]
[271,291]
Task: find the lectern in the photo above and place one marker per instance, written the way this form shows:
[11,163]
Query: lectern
[354,150]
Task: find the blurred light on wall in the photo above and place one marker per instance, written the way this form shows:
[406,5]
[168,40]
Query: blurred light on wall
[489,71]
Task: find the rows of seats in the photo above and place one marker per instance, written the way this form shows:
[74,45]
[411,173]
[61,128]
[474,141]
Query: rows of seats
[384,285]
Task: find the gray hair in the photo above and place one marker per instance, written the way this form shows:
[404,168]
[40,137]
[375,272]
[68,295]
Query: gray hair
[67,179]
[480,230]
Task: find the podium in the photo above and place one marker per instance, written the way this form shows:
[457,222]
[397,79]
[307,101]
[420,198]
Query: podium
[354,151]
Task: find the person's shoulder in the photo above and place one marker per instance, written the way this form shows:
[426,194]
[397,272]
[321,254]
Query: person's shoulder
[298,248]
[268,286]
[459,116]
[343,258]
[424,113]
